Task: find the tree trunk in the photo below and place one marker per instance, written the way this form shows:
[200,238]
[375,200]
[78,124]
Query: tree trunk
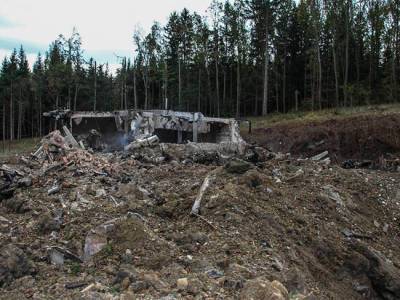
[95,87]
[319,78]
[224,90]
[394,79]
[4,124]
[217,85]
[40,115]
[69,96]
[238,87]
[166,84]
[199,91]
[179,84]
[256,102]
[135,99]
[394,86]
[266,63]
[313,84]
[275,70]
[336,74]
[121,103]
[145,80]
[33,118]
[19,121]
[346,74]
[76,95]
[284,83]
[11,114]
[231,90]
[209,90]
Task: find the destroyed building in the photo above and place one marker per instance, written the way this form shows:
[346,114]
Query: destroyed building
[132,129]
[115,130]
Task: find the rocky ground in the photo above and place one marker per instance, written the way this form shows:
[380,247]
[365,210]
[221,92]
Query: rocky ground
[81,225]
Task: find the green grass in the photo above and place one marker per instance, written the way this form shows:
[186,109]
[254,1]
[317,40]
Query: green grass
[23,146]
[320,115]
[75,268]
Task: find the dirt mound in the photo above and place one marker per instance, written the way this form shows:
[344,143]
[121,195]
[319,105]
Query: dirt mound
[120,228]
[359,137]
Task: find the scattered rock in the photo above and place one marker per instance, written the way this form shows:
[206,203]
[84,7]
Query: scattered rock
[332,194]
[56,257]
[25,182]
[124,273]
[47,223]
[97,238]
[253,178]
[17,205]
[182,284]
[237,166]
[14,264]
[214,273]
[261,288]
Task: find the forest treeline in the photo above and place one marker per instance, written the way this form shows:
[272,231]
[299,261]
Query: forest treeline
[244,57]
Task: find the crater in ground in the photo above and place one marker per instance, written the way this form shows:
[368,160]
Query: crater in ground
[361,137]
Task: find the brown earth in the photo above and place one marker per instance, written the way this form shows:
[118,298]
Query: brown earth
[322,231]
[366,136]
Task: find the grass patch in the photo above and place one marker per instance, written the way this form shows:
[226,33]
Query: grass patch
[23,146]
[108,250]
[320,115]
[75,268]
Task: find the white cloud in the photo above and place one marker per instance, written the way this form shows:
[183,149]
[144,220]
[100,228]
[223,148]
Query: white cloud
[103,25]
[4,53]
[31,57]
[106,27]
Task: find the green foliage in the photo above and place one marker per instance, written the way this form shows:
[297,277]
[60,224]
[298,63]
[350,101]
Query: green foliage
[115,290]
[108,250]
[75,268]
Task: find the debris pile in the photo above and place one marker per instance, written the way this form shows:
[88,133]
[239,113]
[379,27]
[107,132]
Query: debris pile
[194,221]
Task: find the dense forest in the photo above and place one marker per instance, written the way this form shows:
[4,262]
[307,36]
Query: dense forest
[244,57]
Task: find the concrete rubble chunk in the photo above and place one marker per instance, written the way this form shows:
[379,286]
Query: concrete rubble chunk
[332,194]
[97,238]
[70,140]
[56,257]
[142,142]
[320,156]
[261,288]
[182,284]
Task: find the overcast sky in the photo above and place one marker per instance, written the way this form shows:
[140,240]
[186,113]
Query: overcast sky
[106,26]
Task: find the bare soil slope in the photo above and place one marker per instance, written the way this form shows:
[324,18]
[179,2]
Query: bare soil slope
[366,136]
[322,231]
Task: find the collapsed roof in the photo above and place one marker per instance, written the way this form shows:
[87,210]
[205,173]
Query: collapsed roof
[118,127]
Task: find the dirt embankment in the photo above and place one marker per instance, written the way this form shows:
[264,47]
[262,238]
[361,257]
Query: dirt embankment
[359,137]
[119,226]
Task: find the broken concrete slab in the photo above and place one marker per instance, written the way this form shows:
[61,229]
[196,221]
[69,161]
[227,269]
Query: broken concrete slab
[150,141]
[320,156]
[97,238]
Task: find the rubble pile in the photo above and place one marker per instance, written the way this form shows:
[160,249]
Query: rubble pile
[193,221]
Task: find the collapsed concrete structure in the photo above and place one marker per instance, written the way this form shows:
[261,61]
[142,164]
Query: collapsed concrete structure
[119,128]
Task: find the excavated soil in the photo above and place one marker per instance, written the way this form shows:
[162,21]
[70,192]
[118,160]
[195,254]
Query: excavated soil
[322,231]
[363,137]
